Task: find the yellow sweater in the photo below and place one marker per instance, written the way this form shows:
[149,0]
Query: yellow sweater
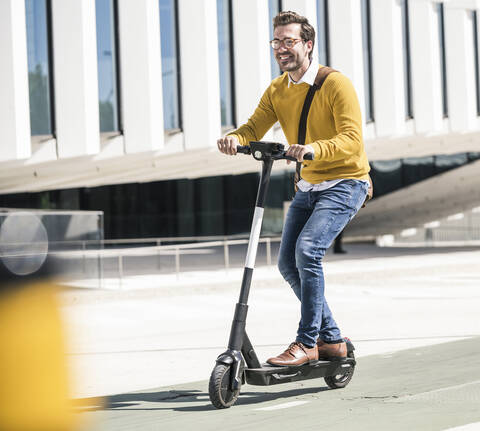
[334,126]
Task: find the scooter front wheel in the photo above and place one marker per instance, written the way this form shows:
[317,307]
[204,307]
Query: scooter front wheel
[219,390]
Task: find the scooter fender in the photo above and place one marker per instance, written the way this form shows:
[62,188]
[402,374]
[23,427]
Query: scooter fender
[234,359]
[350,346]
[230,357]
[225,358]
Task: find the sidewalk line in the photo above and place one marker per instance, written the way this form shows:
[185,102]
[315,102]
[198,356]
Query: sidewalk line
[283,406]
[474,426]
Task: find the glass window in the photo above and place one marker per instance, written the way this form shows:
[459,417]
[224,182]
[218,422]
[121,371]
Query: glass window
[367,59]
[474,15]
[39,67]
[274,7]
[443,63]
[107,65]
[323,32]
[407,74]
[225,56]
[170,64]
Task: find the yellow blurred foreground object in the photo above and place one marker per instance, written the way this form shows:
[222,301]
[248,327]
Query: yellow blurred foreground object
[34,391]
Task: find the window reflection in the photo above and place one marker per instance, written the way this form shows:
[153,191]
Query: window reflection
[367,59]
[225,45]
[39,73]
[443,62]
[406,60]
[170,66]
[474,18]
[274,7]
[322,31]
[107,66]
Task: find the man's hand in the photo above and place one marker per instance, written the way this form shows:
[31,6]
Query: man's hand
[298,151]
[228,145]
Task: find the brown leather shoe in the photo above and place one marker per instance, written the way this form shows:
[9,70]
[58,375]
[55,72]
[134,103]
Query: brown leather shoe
[331,352]
[296,354]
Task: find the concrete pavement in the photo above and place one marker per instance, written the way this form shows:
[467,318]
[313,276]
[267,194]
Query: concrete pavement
[160,332]
[424,388]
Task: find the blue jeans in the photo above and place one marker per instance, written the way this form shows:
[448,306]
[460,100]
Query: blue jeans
[313,221]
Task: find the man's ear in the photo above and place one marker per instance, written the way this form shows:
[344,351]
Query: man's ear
[310,46]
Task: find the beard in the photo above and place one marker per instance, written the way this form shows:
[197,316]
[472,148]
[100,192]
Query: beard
[290,68]
[290,64]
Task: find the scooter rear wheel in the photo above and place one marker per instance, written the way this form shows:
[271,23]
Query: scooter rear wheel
[339,381]
[219,390]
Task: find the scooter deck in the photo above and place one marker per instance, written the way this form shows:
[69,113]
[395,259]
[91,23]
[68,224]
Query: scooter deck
[270,375]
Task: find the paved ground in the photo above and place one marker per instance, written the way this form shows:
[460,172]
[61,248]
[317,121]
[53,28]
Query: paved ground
[412,314]
[416,389]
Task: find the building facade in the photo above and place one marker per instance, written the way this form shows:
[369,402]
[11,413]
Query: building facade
[116,105]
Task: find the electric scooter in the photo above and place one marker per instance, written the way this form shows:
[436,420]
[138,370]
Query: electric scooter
[239,364]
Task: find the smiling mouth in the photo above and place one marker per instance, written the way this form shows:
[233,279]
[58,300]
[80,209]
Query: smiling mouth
[285,58]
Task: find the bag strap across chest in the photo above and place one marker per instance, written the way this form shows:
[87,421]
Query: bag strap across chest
[302,126]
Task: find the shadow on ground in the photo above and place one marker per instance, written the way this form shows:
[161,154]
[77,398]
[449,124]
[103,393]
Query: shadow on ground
[148,401]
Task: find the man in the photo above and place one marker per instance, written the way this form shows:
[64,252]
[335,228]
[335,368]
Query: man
[332,187]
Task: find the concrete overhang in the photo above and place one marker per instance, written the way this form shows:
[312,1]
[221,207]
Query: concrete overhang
[428,200]
[452,192]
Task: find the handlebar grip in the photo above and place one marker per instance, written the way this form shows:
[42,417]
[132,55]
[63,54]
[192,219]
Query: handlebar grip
[308,156]
[242,149]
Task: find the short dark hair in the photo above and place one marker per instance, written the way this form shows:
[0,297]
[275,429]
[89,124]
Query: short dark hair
[307,32]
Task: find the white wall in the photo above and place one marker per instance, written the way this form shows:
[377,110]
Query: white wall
[388,67]
[459,46]
[14,103]
[141,72]
[346,42]
[199,75]
[251,56]
[75,77]
[426,79]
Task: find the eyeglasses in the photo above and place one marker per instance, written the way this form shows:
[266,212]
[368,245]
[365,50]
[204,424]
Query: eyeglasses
[288,42]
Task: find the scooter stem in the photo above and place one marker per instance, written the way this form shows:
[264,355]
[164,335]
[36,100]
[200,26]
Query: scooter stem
[238,325]
[256,228]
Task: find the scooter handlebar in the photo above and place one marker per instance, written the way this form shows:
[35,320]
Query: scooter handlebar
[247,150]
[244,150]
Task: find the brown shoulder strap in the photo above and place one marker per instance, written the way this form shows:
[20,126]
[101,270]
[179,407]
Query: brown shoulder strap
[322,76]
[302,126]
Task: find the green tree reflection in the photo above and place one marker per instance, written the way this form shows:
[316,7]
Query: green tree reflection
[40,120]
[107,118]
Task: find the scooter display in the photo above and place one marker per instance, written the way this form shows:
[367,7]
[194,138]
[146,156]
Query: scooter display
[239,364]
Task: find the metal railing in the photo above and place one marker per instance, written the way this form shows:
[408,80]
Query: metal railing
[77,251]
[436,236]
[177,249]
